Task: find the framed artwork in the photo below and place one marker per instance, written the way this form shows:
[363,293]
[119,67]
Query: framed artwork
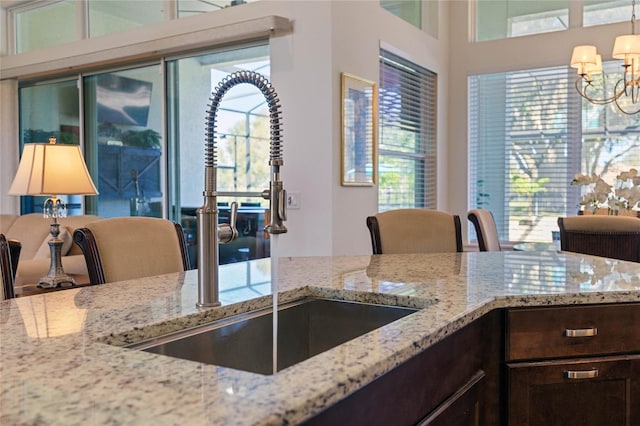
[359,115]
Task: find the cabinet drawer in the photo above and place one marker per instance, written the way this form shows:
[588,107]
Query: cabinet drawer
[540,333]
[587,391]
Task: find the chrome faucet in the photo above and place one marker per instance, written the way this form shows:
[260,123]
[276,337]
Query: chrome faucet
[210,233]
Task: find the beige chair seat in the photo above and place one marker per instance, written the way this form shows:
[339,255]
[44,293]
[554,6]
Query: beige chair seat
[132,247]
[415,231]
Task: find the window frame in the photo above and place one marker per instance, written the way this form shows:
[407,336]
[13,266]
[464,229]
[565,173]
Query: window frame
[578,136]
[422,112]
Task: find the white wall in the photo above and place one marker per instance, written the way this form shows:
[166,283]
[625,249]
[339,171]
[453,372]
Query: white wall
[359,30]
[329,37]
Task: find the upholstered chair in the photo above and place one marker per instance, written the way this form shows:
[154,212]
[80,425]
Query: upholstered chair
[126,248]
[617,237]
[415,231]
[486,231]
[9,255]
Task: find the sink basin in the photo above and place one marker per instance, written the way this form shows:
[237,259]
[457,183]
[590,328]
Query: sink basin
[306,327]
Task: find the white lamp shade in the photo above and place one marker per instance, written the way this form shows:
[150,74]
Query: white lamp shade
[52,169]
[591,69]
[583,55]
[625,46]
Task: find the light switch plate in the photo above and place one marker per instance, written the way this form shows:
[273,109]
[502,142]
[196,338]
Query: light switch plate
[293,199]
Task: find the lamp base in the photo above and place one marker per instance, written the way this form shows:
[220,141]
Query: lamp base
[63,280]
[56,276]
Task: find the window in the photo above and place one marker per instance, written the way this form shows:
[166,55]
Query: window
[409,10]
[34,29]
[530,133]
[123,141]
[496,19]
[196,7]
[139,174]
[407,145]
[421,14]
[37,23]
[50,109]
[106,17]
[242,145]
[598,12]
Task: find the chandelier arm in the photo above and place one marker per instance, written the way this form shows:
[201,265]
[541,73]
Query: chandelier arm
[634,99]
[624,78]
[634,94]
[622,110]
[584,94]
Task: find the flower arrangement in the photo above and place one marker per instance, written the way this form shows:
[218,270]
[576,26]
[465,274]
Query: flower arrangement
[623,195]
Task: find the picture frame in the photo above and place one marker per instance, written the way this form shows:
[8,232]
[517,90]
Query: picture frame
[359,138]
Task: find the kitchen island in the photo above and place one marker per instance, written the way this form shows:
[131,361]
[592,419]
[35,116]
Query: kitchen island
[62,360]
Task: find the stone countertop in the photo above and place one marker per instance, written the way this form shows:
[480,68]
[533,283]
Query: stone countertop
[60,363]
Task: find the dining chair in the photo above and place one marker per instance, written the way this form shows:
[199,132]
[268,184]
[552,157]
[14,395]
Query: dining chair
[486,230]
[616,237]
[415,231]
[9,255]
[126,248]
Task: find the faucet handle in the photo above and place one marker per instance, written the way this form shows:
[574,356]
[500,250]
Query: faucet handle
[228,232]
[282,205]
[233,216]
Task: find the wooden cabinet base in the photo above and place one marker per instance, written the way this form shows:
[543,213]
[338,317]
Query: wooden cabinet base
[445,384]
[461,408]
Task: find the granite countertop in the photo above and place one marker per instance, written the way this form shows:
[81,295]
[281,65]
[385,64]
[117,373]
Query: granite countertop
[60,362]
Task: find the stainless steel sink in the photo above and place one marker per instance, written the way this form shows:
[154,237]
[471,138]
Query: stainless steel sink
[306,327]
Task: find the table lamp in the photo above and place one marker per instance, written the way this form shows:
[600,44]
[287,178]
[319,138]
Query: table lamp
[51,170]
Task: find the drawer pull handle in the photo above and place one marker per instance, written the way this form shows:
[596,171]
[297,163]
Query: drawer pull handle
[581,332]
[588,374]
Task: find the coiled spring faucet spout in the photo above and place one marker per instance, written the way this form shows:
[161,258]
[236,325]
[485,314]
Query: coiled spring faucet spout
[210,234]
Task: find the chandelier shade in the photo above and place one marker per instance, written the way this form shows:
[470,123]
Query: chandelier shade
[626,91]
[626,47]
[584,57]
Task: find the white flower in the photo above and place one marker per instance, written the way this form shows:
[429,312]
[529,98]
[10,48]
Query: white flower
[597,193]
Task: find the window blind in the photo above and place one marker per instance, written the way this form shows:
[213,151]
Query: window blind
[407,134]
[529,134]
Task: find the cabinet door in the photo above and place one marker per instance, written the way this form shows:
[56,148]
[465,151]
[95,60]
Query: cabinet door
[462,408]
[406,394]
[592,391]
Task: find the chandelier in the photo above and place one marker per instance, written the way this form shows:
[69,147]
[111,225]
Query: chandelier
[589,63]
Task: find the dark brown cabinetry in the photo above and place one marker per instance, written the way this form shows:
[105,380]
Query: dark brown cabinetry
[461,408]
[454,382]
[574,365]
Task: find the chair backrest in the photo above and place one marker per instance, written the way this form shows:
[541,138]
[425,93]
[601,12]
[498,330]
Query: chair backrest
[415,231]
[617,237]
[486,230]
[9,255]
[126,248]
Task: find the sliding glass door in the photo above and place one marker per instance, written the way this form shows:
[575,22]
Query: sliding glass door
[50,110]
[123,141]
[242,144]
[122,117]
